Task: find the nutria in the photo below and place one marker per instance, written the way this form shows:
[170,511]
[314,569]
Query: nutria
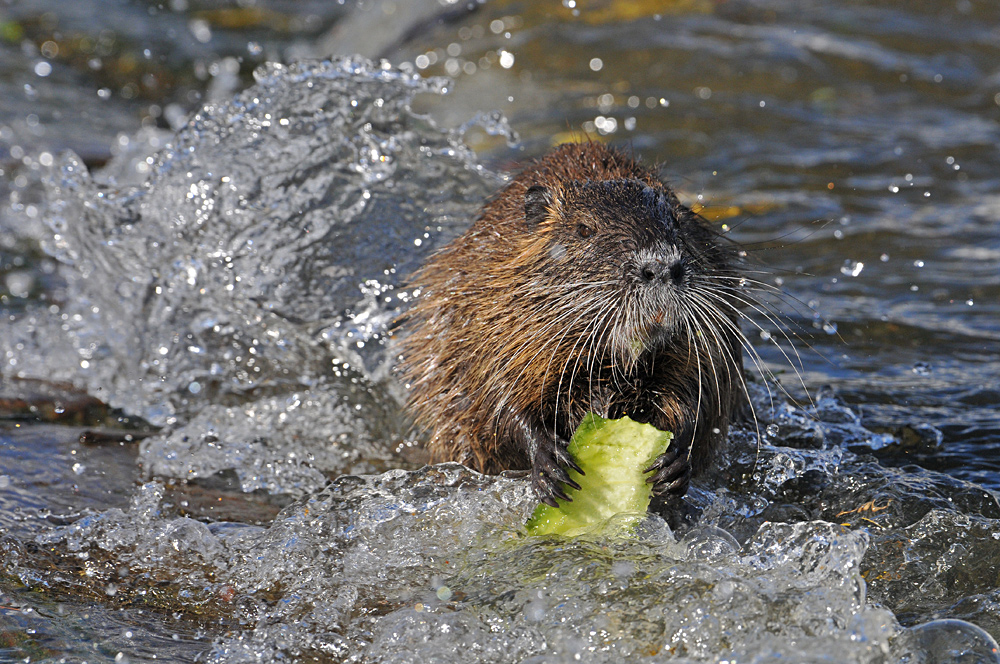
[584,285]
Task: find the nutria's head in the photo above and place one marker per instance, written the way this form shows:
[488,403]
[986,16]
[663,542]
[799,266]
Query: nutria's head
[642,272]
[584,286]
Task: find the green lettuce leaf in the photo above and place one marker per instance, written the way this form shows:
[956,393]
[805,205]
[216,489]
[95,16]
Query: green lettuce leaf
[613,454]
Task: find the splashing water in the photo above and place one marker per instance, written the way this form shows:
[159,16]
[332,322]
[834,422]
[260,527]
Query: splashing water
[253,271]
[234,269]
[431,564]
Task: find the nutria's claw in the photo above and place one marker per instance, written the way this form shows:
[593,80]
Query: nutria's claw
[548,500]
[548,476]
[659,463]
[664,460]
[563,458]
[548,490]
[662,482]
[562,476]
[672,472]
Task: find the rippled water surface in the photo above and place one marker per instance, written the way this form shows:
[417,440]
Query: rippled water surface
[202,453]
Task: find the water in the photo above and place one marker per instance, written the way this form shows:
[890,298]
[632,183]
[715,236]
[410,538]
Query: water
[199,317]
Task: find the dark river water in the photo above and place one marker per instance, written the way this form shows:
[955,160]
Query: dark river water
[202,453]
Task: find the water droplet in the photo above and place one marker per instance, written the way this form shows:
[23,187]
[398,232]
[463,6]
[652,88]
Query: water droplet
[201,30]
[852,268]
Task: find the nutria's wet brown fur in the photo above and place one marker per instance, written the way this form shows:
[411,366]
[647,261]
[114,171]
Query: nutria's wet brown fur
[583,286]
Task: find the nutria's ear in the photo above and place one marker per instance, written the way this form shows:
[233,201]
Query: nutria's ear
[537,201]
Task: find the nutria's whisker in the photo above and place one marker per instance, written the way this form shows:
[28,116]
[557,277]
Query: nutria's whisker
[793,301]
[576,358]
[755,358]
[693,346]
[725,323]
[796,365]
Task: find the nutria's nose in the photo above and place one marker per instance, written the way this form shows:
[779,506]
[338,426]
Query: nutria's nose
[663,272]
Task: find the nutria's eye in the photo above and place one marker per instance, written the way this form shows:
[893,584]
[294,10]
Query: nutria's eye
[584,231]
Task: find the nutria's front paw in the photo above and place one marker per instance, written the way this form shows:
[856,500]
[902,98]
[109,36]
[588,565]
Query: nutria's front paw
[671,472]
[548,473]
